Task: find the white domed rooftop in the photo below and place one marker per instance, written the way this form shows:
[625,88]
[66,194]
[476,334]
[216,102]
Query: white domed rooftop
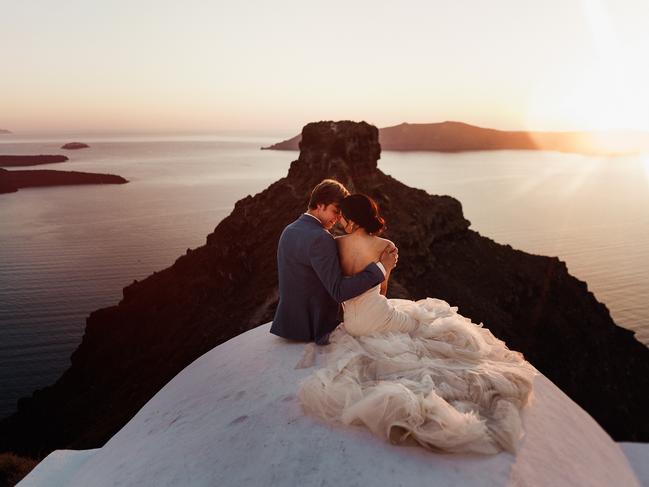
[231,418]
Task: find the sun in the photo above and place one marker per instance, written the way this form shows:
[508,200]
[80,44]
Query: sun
[599,92]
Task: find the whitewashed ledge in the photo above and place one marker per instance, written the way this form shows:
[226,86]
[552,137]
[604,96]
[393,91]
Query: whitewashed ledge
[231,418]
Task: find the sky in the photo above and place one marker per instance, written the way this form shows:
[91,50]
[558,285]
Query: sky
[200,66]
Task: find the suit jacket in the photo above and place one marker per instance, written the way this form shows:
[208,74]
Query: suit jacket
[311,283]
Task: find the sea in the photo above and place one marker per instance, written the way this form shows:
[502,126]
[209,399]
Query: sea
[66,251]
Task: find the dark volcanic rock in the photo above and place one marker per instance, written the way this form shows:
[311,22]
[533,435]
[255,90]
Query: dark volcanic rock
[130,350]
[6,183]
[74,146]
[48,177]
[7,161]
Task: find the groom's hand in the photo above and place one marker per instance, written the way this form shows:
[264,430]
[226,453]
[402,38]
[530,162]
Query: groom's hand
[389,257]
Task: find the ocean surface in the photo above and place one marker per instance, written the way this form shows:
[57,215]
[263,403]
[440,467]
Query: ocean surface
[66,251]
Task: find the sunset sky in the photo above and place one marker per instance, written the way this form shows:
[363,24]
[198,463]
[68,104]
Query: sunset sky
[209,66]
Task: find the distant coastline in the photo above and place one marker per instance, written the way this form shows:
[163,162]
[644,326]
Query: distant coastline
[11,181]
[7,161]
[461,137]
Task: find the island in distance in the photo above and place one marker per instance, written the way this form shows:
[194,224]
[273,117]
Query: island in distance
[6,161]
[11,181]
[74,146]
[4,131]
[459,137]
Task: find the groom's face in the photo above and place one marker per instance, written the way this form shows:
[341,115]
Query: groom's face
[328,215]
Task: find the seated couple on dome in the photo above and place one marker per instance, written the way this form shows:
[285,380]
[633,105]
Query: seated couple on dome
[410,371]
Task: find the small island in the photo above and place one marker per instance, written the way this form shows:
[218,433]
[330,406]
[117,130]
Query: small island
[5,131]
[74,146]
[11,181]
[6,161]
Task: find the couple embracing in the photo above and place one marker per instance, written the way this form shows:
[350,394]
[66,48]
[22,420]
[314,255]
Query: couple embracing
[410,371]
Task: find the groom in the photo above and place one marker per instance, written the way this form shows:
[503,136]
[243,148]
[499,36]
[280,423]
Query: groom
[311,284]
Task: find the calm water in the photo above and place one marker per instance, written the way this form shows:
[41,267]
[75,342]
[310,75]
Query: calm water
[66,251]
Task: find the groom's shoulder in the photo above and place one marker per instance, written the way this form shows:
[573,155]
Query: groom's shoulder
[306,223]
[298,226]
[303,228]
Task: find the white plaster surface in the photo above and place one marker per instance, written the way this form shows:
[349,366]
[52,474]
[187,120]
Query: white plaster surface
[231,418]
[638,455]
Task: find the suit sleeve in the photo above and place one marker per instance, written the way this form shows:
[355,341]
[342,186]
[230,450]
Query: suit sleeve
[323,255]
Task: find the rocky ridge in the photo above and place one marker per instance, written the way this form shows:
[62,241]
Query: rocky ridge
[229,285]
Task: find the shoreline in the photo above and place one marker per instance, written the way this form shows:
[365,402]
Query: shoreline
[12,181]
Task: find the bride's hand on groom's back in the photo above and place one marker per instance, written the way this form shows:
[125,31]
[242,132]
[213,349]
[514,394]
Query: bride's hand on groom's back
[389,257]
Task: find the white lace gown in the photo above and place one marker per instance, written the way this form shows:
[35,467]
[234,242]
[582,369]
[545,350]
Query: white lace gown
[419,371]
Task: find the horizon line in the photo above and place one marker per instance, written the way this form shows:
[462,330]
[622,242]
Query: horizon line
[279,132]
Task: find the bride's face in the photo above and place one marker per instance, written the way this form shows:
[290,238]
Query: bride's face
[346,224]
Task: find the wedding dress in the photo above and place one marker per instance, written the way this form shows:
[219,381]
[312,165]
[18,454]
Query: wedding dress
[419,371]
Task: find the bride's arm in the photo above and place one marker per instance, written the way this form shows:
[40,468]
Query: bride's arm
[384,284]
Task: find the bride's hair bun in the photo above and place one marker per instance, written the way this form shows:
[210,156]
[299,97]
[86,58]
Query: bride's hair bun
[364,211]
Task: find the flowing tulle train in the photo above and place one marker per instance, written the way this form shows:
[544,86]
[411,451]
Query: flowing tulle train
[449,385]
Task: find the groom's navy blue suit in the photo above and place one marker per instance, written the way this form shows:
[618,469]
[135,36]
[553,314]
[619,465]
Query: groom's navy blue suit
[311,284]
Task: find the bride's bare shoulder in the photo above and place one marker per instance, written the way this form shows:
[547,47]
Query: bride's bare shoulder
[383,242]
[341,240]
[380,244]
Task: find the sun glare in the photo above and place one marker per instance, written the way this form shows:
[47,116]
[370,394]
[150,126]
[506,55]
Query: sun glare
[601,92]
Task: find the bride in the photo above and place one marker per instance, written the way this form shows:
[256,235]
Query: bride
[414,371]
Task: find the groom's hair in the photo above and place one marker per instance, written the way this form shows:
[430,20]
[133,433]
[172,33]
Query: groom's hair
[327,192]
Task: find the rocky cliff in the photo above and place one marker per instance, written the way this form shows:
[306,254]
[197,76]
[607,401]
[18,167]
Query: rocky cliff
[229,285]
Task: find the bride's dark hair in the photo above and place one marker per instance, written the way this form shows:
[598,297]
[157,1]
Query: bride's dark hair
[364,211]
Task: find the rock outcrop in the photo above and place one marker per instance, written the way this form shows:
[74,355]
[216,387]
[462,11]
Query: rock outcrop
[8,161]
[229,285]
[74,146]
[11,181]
[458,137]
